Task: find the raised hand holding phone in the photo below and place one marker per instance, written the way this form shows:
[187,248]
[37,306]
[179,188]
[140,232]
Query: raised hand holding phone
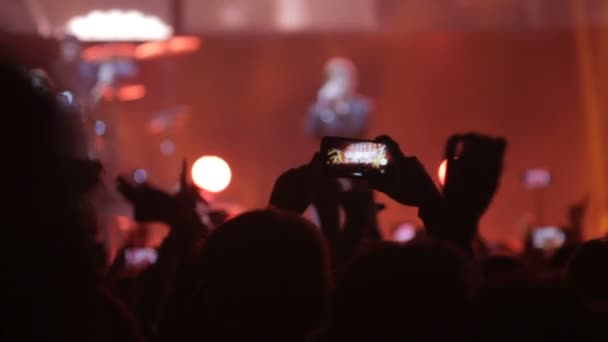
[405,180]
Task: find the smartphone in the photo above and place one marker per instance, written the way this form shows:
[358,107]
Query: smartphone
[345,157]
[140,257]
[536,178]
[548,237]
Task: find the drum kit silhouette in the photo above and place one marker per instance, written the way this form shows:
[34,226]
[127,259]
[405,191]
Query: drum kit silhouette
[116,62]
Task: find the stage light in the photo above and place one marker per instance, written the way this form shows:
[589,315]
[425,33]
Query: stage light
[404,232]
[211,173]
[118,25]
[442,172]
[140,176]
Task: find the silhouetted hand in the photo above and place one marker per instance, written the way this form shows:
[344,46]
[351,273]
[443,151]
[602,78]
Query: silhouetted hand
[189,194]
[576,215]
[474,169]
[154,205]
[406,181]
[149,203]
[293,190]
[576,212]
[361,214]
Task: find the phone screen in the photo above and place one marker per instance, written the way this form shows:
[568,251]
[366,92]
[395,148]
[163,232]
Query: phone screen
[548,237]
[536,178]
[345,157]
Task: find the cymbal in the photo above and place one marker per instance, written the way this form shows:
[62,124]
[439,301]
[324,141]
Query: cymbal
[100,53]
[174,46]
[126,93]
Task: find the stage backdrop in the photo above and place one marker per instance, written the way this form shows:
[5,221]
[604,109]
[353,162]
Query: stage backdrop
[249,96]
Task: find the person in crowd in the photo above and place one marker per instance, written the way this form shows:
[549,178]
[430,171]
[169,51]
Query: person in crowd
[264,276]
[269,274]
[51,259]
[414,292]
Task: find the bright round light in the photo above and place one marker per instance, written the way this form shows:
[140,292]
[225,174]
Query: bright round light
[211,173]
[442,172]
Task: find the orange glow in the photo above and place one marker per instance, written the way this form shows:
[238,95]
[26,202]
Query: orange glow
[174,46]
[130,92]
[105,52]
[184,44]
[211,173]
[150,50]
[442,172]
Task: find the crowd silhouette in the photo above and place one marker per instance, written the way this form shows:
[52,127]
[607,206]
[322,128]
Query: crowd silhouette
[269,274]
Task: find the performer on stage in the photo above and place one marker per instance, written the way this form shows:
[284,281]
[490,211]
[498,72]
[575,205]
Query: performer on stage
[339,110]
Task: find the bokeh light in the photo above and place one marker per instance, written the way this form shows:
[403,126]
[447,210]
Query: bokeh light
[100,128]
[404,232]
[167,147]
[211,173]
[140,176]
[442,172]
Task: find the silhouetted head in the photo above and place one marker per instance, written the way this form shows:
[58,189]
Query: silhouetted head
[528,310]
[504,268]
[49,252]
[587,271]
[45,179]
[264,276]
[412,292]
[560,259]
